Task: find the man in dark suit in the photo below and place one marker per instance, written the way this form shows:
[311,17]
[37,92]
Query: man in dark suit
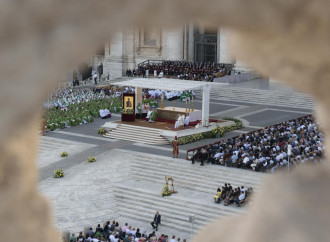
[156,221]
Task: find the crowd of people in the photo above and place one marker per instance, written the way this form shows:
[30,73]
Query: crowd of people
[290,143]
[70,107]
[182,70]
[229,195]
[113,232]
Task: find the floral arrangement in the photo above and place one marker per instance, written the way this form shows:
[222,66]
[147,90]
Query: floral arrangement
[215,133]
[91,159]
[64,154]
[165,191]
[80,113]
[220,131]
[58,173]
[128,111]
[101,131]
[190,138]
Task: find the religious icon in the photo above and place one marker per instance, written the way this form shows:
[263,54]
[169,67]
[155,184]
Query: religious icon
[128,102]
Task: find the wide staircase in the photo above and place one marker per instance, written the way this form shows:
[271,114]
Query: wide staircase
[196,187]
[137,134]
[284,98]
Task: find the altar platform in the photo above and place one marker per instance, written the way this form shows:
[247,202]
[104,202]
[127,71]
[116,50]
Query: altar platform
[157,125]
[168,113]
[157,133]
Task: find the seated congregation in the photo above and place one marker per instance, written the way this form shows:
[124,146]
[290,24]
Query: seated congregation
[70,107]
[267,150]
[113,232]
[229,195]
[182,70]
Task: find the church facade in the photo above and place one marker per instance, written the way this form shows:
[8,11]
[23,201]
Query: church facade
[192,43]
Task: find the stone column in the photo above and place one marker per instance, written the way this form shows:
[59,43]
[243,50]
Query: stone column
[185,42]
[206,105]
[138,97]
[225,55]
[218,45]
[114,61]
[175,44]
[191,56]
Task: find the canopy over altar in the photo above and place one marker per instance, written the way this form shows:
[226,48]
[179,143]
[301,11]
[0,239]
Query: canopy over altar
[171,85]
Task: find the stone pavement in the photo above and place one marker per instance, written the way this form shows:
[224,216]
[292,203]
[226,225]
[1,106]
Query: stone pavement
[126,186]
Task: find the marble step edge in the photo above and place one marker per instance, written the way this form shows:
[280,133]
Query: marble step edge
[179,179]
[129,126]
[149,157]
[179,226]
[132,135]
[200,172]
[170,218]
[152,142]
[175,209]
[178,200]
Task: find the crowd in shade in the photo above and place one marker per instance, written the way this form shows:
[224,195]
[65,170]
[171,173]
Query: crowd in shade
[229,195]
[182,70]
[113,232]
[290,143]
[70,107]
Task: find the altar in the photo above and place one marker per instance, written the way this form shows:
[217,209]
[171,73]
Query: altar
[165,84]
[169,114]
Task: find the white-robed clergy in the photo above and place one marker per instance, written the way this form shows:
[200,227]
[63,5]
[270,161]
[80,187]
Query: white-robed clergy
[187,121]
[148,115]
[180,122]
[103,113]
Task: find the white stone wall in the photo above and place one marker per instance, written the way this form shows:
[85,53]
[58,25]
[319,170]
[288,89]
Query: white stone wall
[225,55]
[114,61]
[175,44]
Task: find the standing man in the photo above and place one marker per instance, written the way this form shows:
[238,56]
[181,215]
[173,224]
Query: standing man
[139,108]
[175,145]
[156,221]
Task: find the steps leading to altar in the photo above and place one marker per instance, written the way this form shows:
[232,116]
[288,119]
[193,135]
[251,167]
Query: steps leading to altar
[196,187]
[141,205]
[202,179]
[136,134]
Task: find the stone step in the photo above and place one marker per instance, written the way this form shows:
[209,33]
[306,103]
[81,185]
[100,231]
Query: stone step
[137,134]
[183,180]
[181,183]
[137,139]
[273,97]
[140,216]
[213,171]
[176,204]
[178,200]
[140,134]
[167,218]
[133,127]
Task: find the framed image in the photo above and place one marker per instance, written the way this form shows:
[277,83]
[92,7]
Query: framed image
[128,102]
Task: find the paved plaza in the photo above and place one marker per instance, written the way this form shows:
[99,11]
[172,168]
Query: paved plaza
[126,181]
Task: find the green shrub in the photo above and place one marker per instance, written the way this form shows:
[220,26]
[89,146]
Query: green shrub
[59,173]
[91,159]
[64,154]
